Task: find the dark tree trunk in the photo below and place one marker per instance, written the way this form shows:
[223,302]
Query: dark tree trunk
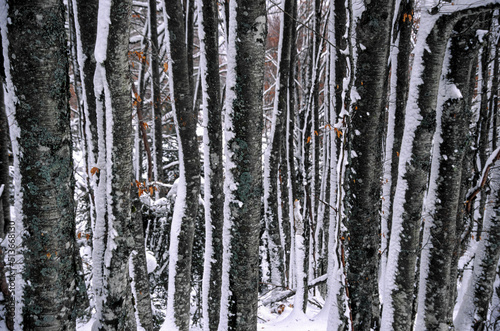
[186,119]
[87,21]
[454,121]
[156,96]
[362,182]
[39,71]
[214,197]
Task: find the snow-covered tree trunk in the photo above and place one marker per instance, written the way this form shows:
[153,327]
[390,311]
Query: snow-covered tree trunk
[213,169]
[398,91]
[414,165]
[85,24]
[243,174]
[138,269]
[37,85]
[188,187]
[442,200]
[276,227]
[371,45]
[113,240]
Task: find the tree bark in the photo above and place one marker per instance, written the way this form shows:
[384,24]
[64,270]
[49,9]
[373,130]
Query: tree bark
[362,182]
[156,95]
[186,205]
[213,170]
[243,177]
[39,88]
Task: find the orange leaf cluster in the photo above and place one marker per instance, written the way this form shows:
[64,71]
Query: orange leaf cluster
[94,170]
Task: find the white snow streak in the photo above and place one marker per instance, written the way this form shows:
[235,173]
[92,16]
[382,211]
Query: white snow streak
[10,98]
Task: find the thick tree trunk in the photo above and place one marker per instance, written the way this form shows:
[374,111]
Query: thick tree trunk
[213,170]
[38,74]
[362,183]
[444,187]
[243,177]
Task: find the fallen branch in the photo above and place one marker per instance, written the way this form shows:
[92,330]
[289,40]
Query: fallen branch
[282,295]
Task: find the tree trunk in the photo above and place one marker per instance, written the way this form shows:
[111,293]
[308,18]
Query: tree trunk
[213,170]
[112,234]
[37,83]
[186,204]
[243,177]
[362,183]
[156,96]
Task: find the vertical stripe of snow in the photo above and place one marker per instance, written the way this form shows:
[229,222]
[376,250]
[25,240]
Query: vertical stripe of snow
[387,173]
[103,232]
[412,121]
[431,198]
[10,99]
[230,185]
[153,122]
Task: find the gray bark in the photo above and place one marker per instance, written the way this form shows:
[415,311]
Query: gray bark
[39,71]
[142,298]
[454,128]
[118,306]
[214,197]
[87,18]
[245,153]
[362,183]
[186,131]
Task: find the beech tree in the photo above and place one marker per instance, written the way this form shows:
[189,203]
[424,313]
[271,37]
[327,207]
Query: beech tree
[36,69]
[243,176]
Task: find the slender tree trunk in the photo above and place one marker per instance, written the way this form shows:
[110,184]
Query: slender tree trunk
[138,270]
[113,236]
[401,48]
[243,177]
[156,95]
[213,170]
[186,204]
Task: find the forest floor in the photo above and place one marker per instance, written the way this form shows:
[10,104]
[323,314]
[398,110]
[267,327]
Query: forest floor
[288,320]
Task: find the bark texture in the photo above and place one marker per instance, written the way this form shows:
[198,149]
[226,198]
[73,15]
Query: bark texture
[39,71]
[186,120]
[362,183]
[214,195]
[244,147]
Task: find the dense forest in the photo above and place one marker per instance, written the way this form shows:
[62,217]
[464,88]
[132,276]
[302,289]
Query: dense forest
[237,164]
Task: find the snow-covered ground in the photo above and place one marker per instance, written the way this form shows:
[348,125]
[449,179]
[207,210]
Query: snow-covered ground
[272,321]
